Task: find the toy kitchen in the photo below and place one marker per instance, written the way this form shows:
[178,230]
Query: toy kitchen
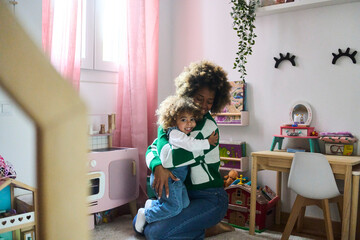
[113,175]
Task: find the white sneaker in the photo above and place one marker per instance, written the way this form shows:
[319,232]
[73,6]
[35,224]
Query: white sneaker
[140,220]
[148,203]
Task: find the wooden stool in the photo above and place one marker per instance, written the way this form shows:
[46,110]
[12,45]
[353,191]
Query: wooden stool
[354,201]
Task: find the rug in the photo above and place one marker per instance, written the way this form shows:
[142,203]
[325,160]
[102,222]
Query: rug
[121,229]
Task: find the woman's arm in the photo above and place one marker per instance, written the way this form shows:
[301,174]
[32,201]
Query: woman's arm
[161,174]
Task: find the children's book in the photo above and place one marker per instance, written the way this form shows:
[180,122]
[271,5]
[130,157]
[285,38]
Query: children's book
[237,104]
[268,193]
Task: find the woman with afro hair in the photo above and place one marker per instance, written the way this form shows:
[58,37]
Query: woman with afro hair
[207,84]
[177,117]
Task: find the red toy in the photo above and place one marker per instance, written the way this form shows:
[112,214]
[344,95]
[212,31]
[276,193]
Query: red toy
[238,213]
[314,133]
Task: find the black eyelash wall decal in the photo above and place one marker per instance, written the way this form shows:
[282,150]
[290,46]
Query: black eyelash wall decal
[346,54]
[282,58]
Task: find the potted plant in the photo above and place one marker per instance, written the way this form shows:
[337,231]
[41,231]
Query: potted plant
[243,14]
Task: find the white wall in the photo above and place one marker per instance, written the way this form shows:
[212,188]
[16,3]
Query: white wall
[17,131]
[203,30]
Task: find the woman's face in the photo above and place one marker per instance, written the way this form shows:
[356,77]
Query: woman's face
[204,98]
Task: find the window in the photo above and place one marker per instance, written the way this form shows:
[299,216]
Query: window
[103,34]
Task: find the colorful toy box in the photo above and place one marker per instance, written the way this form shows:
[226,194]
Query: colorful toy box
[338,143]
[339,149]
[238,213]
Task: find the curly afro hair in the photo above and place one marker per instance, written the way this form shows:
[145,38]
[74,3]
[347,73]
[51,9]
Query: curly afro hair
[172,107]
[205,74]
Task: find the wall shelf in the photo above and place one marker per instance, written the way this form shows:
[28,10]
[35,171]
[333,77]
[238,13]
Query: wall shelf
[243,166]
[298,5]
[244,119]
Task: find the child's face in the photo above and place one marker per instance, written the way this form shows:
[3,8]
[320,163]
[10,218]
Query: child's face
[185,122]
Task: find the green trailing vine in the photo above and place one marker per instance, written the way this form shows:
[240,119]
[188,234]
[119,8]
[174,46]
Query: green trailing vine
[243,15]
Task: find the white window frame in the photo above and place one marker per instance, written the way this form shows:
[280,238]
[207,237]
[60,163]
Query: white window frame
[94,40]
[87,62]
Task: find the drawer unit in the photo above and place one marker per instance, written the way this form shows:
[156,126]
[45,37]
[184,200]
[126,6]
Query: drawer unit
[296,131]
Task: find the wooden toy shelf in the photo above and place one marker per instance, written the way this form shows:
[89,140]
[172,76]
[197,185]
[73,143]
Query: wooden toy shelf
[244,118]
[17,221]
[244,163]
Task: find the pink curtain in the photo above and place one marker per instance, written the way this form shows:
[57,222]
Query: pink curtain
[61,36]
[137,88]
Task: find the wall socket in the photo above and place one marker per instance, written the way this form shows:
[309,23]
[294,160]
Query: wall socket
[5,109]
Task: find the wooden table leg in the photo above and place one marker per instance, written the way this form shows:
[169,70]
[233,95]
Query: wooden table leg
[354,205]
[347,203]
[253,196]
[278,193]
[133,208]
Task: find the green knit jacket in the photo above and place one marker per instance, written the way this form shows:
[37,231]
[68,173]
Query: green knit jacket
[203,165]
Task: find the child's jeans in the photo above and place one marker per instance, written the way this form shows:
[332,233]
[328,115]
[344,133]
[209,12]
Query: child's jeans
[178,199]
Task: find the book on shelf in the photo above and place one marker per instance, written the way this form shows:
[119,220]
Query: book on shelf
[232,150]
[231,114]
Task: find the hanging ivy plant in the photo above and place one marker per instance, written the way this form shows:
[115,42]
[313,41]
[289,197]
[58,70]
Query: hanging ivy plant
[243,15]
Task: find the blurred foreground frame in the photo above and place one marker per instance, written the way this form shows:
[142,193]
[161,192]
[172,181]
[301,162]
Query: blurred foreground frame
[60,119]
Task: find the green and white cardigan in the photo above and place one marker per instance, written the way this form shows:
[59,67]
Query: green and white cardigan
[203,165]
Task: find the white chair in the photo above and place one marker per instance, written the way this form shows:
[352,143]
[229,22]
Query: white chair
[312,179]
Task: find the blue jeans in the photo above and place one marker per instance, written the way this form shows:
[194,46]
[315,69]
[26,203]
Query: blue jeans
[165,208]
[207,208]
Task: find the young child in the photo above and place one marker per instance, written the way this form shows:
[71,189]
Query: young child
[177,117]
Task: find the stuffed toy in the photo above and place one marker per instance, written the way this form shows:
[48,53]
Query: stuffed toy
[230,178]
[6,169]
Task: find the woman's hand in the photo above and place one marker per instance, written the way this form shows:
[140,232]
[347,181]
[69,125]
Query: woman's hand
[161,176]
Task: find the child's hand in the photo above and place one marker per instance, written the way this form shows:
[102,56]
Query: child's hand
[213,138]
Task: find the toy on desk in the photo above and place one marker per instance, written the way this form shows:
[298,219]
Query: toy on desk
[293,133]
[299,118]
[338,143]
[230,178]
[314,133]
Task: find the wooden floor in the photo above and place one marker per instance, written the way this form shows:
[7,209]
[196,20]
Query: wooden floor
[313,228]
[306,233]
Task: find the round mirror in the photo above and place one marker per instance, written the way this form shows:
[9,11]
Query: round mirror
[300,113]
